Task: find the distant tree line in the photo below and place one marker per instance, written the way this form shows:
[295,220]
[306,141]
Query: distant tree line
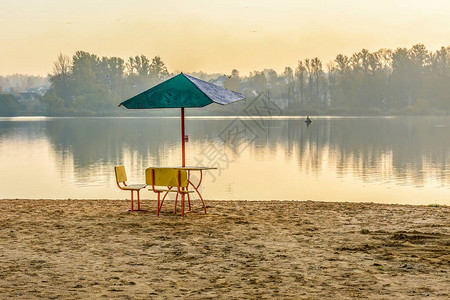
[88,84]
[403,81]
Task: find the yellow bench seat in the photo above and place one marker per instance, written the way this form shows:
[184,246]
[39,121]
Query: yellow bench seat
[134,187]
[171,191]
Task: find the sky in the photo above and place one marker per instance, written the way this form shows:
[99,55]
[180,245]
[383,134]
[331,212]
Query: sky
[213,36]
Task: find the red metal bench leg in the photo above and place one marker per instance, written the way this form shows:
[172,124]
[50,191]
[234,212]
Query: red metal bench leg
[162,200]
[182,204]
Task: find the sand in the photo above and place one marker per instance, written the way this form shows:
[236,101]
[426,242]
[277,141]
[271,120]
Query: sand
[80,249]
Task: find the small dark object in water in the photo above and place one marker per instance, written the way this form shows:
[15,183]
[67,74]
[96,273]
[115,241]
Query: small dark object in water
[308,120]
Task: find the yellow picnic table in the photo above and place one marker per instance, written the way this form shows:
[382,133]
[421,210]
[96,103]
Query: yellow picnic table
[175,179]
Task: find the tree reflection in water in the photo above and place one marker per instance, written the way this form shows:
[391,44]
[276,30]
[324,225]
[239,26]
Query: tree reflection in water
[405,150]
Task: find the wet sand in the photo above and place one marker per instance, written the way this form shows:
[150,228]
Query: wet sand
[80,249]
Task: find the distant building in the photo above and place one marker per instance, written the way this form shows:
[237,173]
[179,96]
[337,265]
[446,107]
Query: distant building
[32,94]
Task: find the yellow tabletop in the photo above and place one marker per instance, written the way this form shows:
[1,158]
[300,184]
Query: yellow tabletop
[188,168]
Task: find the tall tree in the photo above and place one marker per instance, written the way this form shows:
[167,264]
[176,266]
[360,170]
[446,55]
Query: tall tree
[111,73]
[331,76]
[138,65]
[272,82]
[317,71]
[343,88]
[309,72]
[258,82]
[233,81]
[138,74]
[300,73]
[62,66]
[90,91]
[289,82]
[60,78]
[438,83]
[420,59]
[158,70]
[401,82]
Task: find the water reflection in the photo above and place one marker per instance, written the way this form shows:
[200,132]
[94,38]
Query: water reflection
[412,152]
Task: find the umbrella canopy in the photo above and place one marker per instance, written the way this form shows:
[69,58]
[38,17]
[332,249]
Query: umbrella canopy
[182,91]
[179,92]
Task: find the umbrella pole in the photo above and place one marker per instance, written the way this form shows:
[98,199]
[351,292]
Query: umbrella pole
[183,146]
[183,150]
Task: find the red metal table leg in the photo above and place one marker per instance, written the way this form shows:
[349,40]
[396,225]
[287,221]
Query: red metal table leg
[196,189]
[157,206]
[189,201]
[139,200]
[176,200]
[132,200]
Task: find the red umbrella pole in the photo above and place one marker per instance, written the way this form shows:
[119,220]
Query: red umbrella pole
[183,146]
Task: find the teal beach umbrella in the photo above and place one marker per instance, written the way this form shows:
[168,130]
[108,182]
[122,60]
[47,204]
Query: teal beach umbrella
[182,91]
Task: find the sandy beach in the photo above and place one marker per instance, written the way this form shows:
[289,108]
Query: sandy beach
[80,249]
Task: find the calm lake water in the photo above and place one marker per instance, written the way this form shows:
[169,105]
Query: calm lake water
[387,160]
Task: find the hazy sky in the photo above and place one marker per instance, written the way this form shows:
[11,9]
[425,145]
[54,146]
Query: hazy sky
[212,35]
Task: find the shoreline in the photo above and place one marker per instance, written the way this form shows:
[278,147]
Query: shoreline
[147,200]
[241,249]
